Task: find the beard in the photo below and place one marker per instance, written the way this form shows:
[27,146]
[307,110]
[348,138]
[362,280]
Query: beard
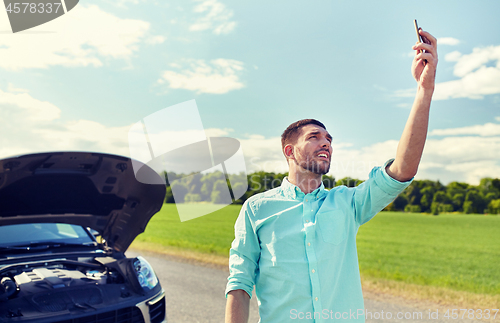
[309,164]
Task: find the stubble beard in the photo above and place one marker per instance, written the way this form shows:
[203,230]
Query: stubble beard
[309,164]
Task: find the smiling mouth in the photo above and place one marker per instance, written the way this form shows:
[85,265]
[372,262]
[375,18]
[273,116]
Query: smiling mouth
[323,156]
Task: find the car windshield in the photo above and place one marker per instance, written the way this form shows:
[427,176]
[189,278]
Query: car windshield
[25,234]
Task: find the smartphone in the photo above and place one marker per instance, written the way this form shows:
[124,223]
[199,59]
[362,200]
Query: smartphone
[419,38]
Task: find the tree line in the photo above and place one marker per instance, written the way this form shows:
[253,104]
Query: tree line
[434,197]
[421,196]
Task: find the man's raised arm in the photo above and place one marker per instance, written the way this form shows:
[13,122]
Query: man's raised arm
[412,140]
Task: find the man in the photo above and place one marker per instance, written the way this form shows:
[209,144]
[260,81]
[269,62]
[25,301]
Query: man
[297,243]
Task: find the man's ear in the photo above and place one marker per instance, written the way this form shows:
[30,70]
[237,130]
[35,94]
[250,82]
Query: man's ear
[288,151]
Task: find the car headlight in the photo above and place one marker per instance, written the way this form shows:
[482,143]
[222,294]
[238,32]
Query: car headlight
[145,274]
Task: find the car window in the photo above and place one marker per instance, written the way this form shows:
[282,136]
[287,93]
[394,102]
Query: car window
[18,234]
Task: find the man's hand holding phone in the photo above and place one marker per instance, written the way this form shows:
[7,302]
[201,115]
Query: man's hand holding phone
[426,58]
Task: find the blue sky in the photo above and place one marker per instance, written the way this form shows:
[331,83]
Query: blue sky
[79,82]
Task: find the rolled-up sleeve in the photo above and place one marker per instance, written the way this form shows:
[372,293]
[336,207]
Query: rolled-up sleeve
[376,193]
[244,253]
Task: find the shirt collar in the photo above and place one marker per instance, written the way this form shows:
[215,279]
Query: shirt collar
[294,192]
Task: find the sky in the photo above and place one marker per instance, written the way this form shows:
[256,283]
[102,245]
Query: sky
[81,81]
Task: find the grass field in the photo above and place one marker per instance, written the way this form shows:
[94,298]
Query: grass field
[457,251]
[453,251]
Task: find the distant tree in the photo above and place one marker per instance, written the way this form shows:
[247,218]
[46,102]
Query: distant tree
[413,194]
[216,197]
[171,176]
[494,207]
[179,191]
[236,188]
[349,182]
[427,196]
[490,197]
[420,196]
[496,183]
[441,202]
[193,183]
[445,208]
[190,198]
[454,188]
[400,202]
[488,185]
[207,184]
[476,202]
[220,193]
[441,197]
[169,197]
[206,191]
[468,208]
[435,208]
[458,201]
[413,208]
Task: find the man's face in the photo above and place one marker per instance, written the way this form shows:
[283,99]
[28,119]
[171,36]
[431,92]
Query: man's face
[313,149]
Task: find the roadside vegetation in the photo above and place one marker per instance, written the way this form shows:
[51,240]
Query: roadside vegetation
[423,196]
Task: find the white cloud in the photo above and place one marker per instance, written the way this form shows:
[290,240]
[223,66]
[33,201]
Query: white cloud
[82,37]
[217,77]
[263,154]
[461,159]
[30,125]
[488,129]
[124,3]
[215,132]
[448,41]
[408,93]
[478,72]
[12,88]
[216,17]
[155,40]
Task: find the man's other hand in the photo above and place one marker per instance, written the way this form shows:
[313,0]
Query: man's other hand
[237,306]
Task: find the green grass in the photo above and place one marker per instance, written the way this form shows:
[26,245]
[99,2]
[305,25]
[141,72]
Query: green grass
[456,251]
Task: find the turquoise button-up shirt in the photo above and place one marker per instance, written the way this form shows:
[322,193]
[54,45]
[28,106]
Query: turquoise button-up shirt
[299,250]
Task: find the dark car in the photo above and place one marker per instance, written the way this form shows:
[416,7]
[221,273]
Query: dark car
[66,220]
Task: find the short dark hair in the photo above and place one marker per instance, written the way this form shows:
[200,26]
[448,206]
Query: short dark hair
[291,133]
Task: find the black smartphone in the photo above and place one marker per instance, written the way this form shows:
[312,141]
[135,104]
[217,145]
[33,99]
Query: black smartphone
[418,35]
[419,38]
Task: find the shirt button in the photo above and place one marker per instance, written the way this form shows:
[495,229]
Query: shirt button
[316,299]
[307,221]
[313,271]
[306,200]
[308,244]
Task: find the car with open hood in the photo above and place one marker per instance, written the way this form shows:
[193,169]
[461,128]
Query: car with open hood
[66,220]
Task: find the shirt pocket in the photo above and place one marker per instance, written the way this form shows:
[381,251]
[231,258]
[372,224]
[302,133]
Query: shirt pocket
[332,224]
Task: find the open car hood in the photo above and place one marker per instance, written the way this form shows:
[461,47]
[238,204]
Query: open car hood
[93,190]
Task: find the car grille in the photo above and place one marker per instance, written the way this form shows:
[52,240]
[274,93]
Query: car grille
[157,311]
[125,315]
[62,300]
